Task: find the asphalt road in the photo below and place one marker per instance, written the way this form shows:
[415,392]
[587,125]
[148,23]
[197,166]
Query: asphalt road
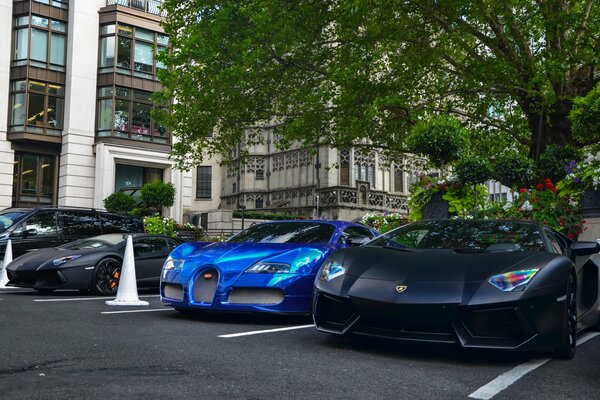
[68,346]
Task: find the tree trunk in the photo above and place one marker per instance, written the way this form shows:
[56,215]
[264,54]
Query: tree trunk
[550,126]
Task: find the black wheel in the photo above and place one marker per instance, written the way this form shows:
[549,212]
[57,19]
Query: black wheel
[106,277]
[568,341]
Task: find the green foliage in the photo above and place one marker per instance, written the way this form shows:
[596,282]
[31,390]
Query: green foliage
[157,195]
[119,202]
[384,223]
[339,72]
[463,200]
[442,139]
[581,175]
[553,160]
[472,169]
[159,226]
[512,169]
[585,117]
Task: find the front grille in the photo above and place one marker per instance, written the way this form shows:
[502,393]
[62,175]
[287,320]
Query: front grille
[22,278]
[495,323]
[261,296]
[172,291]
[333,310]
[205,286]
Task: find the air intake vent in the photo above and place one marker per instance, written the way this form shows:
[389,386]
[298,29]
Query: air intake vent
[173,291]
[205,286]
[256,296]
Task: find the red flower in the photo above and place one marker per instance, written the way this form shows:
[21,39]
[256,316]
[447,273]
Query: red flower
[570,235]
[539,186]
[522,190]
[548,180]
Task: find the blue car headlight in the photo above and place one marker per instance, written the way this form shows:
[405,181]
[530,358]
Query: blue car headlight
[269,268]
[173,264]
[331,270]
[514,279]
[65,259]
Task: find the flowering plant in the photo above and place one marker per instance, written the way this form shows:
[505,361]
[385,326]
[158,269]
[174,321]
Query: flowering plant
[159,226]
[545,204]
[581,175]
[384,223]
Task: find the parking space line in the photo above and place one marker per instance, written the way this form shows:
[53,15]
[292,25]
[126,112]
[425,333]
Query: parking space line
[503,381]
[289,328]
[87,298]
[137,311]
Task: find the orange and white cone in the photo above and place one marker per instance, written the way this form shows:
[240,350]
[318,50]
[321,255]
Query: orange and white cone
[7,260]
[127,291]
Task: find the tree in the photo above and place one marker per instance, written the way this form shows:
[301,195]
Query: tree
[337,72]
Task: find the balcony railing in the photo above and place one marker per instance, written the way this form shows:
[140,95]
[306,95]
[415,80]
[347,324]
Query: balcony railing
[149,6]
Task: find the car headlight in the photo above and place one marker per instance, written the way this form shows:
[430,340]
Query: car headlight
[514,279]
[331,270]
[269,268]
[173,263]
[65,259]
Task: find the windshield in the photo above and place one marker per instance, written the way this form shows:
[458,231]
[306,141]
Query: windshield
[96,242]
[286,232]
[465,235]
[9,217]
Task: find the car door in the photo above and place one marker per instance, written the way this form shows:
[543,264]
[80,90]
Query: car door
[37,231]
[150,254]
[79,225]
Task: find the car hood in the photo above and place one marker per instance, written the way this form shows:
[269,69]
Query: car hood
[228,256]
[43,257]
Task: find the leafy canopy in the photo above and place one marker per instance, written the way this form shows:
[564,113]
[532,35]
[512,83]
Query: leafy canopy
[363,72]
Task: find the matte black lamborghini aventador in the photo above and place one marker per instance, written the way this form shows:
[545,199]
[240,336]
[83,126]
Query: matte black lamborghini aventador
[477,283]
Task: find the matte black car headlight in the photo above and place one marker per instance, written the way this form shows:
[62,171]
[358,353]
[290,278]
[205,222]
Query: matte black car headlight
[331,270]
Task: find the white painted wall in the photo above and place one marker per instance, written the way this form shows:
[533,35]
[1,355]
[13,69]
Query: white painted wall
[6,153]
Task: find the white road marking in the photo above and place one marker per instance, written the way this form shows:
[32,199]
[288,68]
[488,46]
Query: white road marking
[494,387]
[136,311]
[90,298]
[289,328]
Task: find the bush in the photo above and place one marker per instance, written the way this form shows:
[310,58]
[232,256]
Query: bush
[158,225]
[384,223]
[119,202]
[473,170]
[513,170]
[585,117]
[157,195]
[553,160]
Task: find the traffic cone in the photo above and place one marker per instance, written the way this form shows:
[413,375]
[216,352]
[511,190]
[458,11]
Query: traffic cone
[7,259]
[127,291]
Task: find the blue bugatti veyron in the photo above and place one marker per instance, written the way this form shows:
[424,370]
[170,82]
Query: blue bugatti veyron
[269,267]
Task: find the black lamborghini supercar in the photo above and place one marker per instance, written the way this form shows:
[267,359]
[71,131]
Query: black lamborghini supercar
[478,283]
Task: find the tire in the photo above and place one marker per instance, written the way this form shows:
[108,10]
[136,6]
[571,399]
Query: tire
[106,276]
[568,341]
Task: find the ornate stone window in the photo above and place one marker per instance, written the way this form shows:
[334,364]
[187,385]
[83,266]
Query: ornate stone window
[364,167]
[345,167]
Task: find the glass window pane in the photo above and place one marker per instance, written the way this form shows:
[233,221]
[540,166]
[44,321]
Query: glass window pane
[57,49]
[107,29]
[128,176]
[162,39]
[21,44]
[141,95]
[144,34]
[144,56]
[39,21]
[105,114]
[47,172]
[35,112]
[106,91]
[141,119]
[121,115]
[152,175]
[29,174]
[124,53]
[159,64]
[55,112]
[107,51]
[43,223]
[58,26]
[125,30]
[37,86]
[39,45]
[55,89]
[122,92]
[24,20]
[17,115]
[19,85]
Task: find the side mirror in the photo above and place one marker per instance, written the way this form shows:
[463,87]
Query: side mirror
[357,240]
[584,248]
[30,232]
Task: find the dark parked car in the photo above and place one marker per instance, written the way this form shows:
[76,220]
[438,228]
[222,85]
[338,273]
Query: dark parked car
[91,264]
[513,285]
[37,228]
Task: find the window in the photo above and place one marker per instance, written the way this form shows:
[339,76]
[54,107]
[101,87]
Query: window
[34,179]
[133,176]
[112,223]
[398,180]
[40,42]
[150,245]
[126,113]
[203,182]
[44,224]
[36,107]
[131,50]
[80,224]
[355,231]
[55,3]
[345,167]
